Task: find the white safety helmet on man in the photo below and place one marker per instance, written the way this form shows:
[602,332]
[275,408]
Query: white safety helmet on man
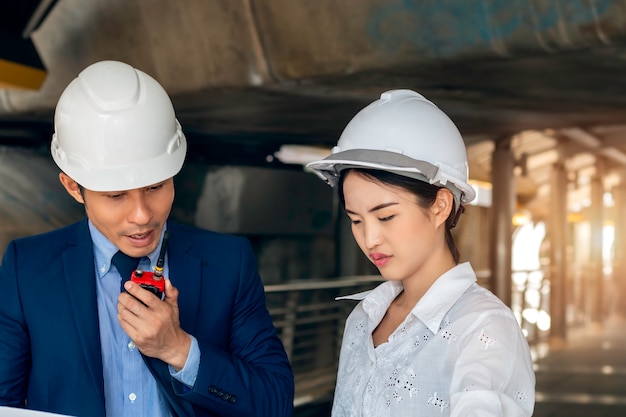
[115,130]
[404,133]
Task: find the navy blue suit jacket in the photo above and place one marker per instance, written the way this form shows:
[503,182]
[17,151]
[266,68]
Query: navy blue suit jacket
[50,355]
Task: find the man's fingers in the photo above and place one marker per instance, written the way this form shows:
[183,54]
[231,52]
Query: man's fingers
[146,297]
[171,293]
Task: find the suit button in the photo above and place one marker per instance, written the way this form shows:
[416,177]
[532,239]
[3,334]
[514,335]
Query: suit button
[232,399]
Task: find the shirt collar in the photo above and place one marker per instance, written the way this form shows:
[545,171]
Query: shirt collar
[431,308]
[104,250]
[443,294]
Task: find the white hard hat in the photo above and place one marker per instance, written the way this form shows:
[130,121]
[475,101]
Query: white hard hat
[115,129]
[404,133]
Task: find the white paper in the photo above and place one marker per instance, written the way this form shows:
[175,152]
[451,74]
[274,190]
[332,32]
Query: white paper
[20,412]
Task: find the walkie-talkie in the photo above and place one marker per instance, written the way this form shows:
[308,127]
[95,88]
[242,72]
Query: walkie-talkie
[153,281]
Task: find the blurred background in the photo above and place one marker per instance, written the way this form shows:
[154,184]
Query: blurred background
[261,87]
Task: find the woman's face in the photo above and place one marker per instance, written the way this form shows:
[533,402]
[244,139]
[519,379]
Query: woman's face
[398,236]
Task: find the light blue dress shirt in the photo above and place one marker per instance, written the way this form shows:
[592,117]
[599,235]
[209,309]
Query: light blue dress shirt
[130,390]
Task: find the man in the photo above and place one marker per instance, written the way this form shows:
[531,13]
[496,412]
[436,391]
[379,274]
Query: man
[71,342]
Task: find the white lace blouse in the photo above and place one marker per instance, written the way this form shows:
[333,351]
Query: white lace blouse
[460,352]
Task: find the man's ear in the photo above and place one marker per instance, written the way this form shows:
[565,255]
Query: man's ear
[442,206]
[71,187]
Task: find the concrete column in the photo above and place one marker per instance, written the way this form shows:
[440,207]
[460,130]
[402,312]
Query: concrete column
[619,262]
[596,284]
[557,234]
[503,207]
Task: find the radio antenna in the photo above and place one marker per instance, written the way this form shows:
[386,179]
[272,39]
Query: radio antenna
[158,270]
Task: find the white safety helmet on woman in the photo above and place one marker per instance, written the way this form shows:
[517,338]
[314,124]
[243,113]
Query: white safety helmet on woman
[115,130]
[404,133]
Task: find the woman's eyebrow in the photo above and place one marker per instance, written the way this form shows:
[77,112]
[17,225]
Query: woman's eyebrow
[375,208]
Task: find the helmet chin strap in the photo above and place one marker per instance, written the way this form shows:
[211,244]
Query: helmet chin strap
[457,215]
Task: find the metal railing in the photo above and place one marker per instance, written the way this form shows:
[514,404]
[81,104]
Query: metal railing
[310,323]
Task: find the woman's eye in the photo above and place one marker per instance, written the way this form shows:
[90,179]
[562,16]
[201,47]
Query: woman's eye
[355,221]
[386,219]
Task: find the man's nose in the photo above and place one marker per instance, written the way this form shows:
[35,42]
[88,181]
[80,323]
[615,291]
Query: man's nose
[140,212]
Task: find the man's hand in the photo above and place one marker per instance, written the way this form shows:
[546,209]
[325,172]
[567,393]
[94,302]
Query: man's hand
[154,326]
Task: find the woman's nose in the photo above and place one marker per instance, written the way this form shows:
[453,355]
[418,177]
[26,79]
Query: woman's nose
[372,236]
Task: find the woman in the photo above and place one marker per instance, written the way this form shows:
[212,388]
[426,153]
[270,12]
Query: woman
[429,341]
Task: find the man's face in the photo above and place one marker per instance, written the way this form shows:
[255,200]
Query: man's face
[132,220]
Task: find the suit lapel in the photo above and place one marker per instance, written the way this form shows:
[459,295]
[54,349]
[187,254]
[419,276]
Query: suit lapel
[78,269]
[161,373]
[185,273]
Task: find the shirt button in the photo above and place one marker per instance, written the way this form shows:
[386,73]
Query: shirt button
[132,397]
[131,345]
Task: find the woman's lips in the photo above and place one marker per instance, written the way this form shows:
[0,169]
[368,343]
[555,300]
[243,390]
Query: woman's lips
[380,259]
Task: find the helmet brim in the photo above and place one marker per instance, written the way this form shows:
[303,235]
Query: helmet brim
[329,169]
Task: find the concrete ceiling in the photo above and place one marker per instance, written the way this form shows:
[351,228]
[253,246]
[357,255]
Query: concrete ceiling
[249,75]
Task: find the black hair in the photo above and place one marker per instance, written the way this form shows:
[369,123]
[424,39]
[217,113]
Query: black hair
[425,193]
